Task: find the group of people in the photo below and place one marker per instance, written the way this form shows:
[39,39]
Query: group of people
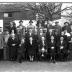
[38,43]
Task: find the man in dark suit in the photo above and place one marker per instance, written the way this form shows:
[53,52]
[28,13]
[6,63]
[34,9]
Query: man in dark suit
[36,44]
[57,28]
[12,27]
[62,48]
[31,48]
[21,50]
[30,26]
[52,48]
[42,48]
[66,27]
[21,29]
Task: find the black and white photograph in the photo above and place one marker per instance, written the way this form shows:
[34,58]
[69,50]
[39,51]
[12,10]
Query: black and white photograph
[36,36]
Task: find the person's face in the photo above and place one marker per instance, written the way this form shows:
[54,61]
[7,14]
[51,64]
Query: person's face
[66,24]
[30,31]
[31,38]
[12,31]
[61,38]
[65,31]
[43,38]
[62,33]
[30,23]
[50,31]
[11,24]
[56,24]
[21,23]
[45,22]
[56,33]
[41,31]
[52,37]
[23,40]
[13,36]
[7,32]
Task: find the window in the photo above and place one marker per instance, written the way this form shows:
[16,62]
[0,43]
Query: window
[8,14]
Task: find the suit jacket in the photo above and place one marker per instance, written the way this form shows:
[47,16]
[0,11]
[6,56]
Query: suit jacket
[52,47]
[12,28]
[22,30]
[66,28]
[59,45]
[41,44]
[11,41]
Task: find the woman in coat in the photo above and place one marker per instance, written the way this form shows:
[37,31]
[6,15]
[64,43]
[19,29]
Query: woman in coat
[21,50]
[31,48]
[13,44]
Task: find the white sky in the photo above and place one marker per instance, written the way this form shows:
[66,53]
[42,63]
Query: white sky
[35,0]
[64,5]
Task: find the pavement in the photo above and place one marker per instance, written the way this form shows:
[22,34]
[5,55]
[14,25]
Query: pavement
[8,66]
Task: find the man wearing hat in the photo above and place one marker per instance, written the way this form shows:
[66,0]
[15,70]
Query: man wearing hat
[52,48]
[62,48]
[21,28]
[57,27]
[12,27]
[42,49]
[31,49]
[30,26]
[66,27]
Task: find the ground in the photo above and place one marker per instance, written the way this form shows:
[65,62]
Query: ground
[8,66]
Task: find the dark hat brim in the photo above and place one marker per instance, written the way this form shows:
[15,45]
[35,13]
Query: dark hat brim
[30,21]
[20,21]
[66,22]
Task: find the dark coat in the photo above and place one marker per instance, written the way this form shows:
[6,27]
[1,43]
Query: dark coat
[31,49]
[13,49]
[22,49]
[51,50]
[64,44]
[42,46]
[66,28]
[12,28]
[22,31]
